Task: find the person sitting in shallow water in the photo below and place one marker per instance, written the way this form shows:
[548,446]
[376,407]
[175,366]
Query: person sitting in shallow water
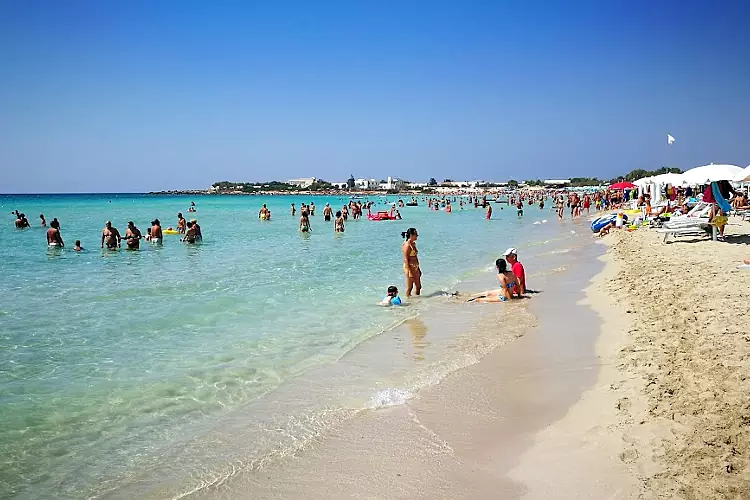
[507,281]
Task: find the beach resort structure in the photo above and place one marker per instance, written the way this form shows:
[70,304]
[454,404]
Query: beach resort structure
[304,182]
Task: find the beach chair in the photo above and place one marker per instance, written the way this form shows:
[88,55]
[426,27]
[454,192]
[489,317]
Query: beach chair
[702,228]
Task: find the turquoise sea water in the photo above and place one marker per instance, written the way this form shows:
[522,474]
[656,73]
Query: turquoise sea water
[111,361]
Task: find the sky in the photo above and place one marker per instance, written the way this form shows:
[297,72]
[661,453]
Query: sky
[142,95]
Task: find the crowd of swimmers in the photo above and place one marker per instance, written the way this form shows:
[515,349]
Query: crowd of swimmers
[111,238]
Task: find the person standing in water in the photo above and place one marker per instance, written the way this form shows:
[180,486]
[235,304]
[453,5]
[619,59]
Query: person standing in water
[156,235]
[110,236]
[312,208]
[42,220]
[22,222]
[132,236]
[181,223]
[327,211]
[189,233]
[293,210]
[304,223]
[338,224]
[488,215]
[54,238]
[412,272]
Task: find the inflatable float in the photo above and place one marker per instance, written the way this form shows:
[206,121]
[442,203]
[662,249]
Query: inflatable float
[602,221]
[381,216]
[169,231]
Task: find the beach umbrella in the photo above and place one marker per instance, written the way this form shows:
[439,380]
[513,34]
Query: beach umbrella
[622,185]
[710,173]
[743,176]
[669,178]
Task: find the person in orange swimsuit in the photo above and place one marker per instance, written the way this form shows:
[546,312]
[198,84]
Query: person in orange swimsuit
[411,262]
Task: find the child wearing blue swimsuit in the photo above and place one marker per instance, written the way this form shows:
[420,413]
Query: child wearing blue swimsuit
[391,297]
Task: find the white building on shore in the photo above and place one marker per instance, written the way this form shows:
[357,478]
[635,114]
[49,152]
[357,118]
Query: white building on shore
[366,184]
[392,183]
[304,182]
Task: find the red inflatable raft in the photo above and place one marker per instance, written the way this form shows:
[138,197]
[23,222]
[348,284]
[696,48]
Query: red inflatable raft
[381,216]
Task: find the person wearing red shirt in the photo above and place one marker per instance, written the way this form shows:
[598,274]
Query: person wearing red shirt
[511,255]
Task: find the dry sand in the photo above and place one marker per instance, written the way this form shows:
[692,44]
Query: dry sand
[682,385]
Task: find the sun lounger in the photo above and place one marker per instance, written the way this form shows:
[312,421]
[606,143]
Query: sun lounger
[699,229]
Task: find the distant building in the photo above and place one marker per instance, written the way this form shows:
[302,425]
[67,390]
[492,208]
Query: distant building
[417,185]
[366,184]
[340,185]
[557,182]
[392,183]
[304,182]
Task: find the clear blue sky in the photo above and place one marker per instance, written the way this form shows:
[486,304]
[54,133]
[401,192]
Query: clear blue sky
[146,95]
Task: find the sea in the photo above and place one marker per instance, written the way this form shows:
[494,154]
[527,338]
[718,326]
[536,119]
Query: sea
[162,372]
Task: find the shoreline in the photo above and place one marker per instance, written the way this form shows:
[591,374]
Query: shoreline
[586,453]
[459,437]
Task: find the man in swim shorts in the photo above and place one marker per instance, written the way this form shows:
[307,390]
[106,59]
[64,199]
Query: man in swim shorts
[511,255]
[110,236]
[54,238]
[156,234]
[181,223]
[327,213]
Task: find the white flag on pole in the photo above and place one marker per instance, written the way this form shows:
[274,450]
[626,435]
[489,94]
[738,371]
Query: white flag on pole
[670,140]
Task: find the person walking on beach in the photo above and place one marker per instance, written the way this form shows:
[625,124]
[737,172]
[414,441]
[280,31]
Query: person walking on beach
[110,236]
[412,271]
[54,238]
[511,255]
[132,236]
[181,223]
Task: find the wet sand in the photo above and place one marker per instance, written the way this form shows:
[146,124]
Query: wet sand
[470,435]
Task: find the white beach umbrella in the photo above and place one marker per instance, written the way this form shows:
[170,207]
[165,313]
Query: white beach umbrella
[669,178]
[743,176]
[710,173]
[642,183]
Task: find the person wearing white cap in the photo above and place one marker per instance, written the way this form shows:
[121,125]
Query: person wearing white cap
[511,255]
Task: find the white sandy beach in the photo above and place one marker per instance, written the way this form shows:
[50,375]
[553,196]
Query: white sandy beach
[669,415]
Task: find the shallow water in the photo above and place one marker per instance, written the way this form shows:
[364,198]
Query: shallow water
[114,362]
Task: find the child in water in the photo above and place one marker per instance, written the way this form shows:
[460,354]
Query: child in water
[391,297]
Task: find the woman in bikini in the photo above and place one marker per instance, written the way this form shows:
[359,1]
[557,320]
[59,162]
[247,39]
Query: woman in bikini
[411,262]
[507,284]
